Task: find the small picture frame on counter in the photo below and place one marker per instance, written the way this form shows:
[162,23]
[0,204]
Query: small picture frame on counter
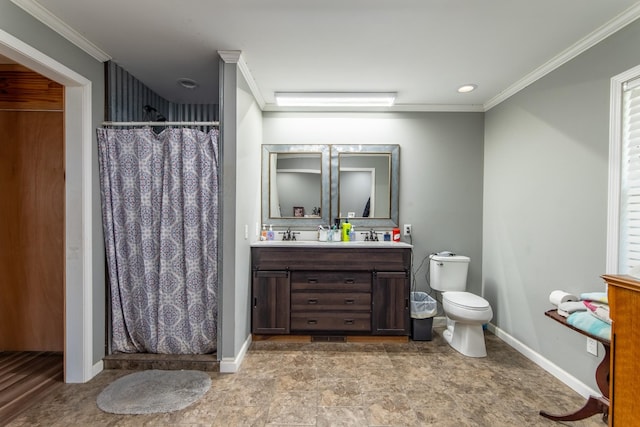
[298,211]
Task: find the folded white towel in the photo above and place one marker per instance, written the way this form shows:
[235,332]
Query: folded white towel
[566,308]
[558,297]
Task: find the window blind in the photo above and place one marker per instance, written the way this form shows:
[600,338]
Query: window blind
[630,182]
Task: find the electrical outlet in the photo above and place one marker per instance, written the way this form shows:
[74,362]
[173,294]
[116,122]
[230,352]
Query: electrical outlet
[407,230]
[592,346]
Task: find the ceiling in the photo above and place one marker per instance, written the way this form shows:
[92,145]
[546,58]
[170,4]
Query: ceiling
[421,49]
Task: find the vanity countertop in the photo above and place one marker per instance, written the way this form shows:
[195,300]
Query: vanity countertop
[329,245]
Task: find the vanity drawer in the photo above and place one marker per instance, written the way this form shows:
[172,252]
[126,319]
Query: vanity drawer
[338,281]
[360,322]
[339,301]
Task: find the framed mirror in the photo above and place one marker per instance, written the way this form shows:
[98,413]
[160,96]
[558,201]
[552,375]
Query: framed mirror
[295,185]
[364,184]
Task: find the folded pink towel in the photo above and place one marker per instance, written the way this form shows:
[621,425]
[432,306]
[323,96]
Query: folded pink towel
[599,310]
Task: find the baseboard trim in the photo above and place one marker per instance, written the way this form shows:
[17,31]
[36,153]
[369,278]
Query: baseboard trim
[231,365]
[97,368]
[562,375]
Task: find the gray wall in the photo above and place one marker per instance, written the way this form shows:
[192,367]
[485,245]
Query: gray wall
[249,121]
[441,162]
[241,129]
[21,25]
[545,198]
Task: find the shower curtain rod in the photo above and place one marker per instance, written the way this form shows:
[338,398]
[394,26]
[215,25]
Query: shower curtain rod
[160,123]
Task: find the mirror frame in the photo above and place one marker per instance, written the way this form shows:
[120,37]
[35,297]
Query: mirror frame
[394,175]
[325,196]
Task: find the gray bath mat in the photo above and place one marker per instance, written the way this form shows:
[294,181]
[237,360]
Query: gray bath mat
[153,391]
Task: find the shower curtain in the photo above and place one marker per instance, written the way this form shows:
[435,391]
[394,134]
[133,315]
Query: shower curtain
[160,216]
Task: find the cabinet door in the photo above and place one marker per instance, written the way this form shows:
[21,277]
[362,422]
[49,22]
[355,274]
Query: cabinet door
[625,388]
[390,303]
[271,302]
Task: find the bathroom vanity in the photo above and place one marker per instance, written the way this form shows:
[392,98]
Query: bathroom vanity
[338,288]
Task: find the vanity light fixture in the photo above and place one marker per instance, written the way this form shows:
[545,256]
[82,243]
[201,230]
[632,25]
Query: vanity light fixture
[467,88]
[187,83]
[335,99]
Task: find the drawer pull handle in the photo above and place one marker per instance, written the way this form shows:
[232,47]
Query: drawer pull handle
[312,301]
[312,322]
[349,281]
[312,280]
[349,301]
[349,321]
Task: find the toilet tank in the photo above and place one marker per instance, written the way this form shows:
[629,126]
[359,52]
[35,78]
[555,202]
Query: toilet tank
[448,273]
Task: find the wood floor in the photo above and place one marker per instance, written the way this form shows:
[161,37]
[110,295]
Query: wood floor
[25,377]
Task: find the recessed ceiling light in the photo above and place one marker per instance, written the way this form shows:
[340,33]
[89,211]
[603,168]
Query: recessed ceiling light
[188,83]
[467,88]
[335,99]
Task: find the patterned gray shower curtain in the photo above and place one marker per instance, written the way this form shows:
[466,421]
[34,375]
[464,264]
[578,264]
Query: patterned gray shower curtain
[160,216]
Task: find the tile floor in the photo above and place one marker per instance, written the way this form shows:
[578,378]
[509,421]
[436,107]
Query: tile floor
[346,384]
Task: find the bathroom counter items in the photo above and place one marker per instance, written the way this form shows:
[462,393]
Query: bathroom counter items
[330,245]
[331,289]
[594,404]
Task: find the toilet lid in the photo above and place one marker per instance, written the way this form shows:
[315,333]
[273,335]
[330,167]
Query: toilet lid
[466,300]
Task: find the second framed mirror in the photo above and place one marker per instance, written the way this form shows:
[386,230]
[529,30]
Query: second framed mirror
[364,184]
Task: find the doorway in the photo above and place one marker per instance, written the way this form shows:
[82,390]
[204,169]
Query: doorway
[31,211]
[79,222]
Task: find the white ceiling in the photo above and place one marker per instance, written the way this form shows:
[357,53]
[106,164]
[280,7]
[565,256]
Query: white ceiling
[421,49]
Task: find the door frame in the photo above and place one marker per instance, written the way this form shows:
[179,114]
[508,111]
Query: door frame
[78,354]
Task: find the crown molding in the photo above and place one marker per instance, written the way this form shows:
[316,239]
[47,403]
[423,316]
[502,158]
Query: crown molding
[34,9]
[235,57]
[230,56]
[611,27]
[246,72]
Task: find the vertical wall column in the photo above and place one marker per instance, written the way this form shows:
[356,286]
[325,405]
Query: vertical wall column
[226,236]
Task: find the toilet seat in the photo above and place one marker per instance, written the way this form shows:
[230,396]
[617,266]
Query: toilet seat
[466,300]
[466,307]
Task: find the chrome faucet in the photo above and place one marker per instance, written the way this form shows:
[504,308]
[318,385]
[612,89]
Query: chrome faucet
[289,235]
[372,236]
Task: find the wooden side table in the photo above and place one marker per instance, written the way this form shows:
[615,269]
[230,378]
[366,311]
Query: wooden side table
[594,404]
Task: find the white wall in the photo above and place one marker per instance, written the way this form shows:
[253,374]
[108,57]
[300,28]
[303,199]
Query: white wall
[441,161]
[545,198]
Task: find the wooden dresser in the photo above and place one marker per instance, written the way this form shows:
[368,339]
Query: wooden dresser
[624,302]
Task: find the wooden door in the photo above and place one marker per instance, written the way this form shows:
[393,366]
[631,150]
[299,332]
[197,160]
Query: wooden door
[31,211]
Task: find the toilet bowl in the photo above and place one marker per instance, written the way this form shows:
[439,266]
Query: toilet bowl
[465,312]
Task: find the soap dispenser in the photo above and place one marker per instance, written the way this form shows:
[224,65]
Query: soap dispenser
[270,234]
[263,235]
[346,230]
[352,234]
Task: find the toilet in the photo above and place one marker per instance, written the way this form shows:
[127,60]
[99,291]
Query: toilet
[466,312]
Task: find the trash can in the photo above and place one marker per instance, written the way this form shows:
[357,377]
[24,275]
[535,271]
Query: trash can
[423,309]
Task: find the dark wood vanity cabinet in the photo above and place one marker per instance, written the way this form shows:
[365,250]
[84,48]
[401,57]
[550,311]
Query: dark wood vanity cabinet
[311,290]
